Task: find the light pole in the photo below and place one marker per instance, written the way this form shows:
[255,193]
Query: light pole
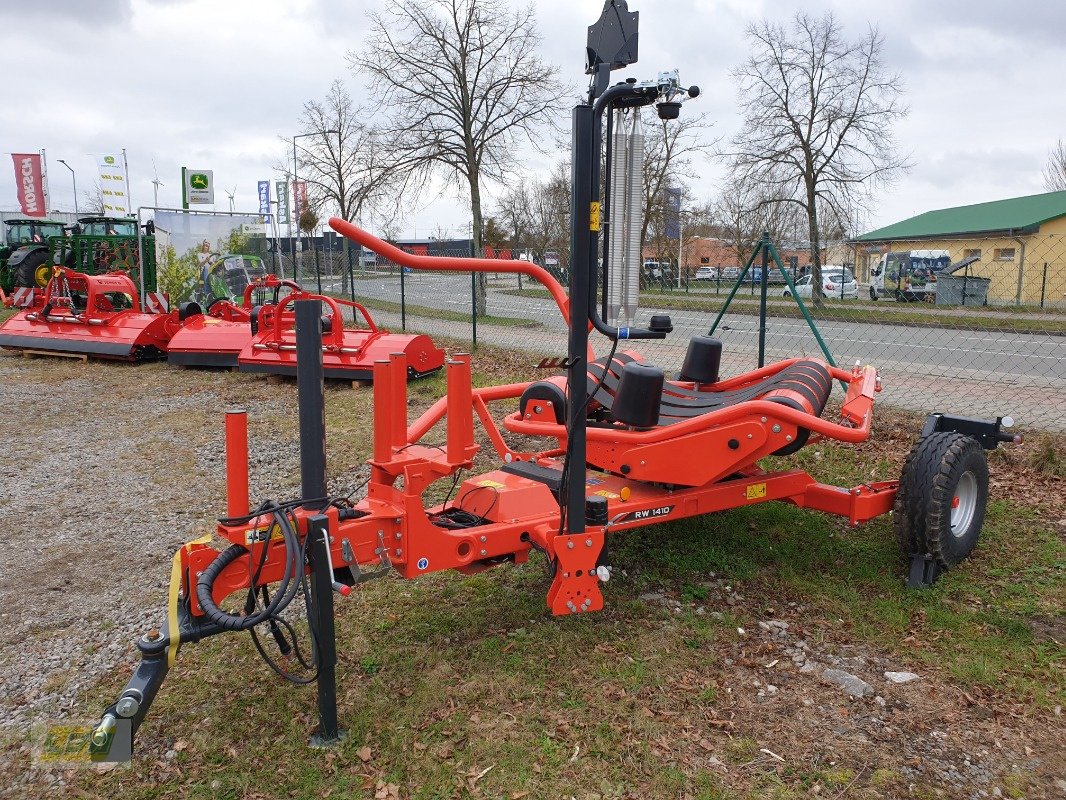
[74,179]
[296,191]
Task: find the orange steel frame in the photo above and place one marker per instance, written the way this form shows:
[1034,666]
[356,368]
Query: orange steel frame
[398,531]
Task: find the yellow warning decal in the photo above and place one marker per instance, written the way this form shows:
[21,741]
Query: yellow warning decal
[608,495]
[756,491]
[494,484]
[594,216]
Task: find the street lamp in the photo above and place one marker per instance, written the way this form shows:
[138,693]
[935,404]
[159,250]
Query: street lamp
[74,179]
[296,198]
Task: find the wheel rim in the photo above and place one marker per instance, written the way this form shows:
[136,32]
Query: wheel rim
[963,504]
[42,274]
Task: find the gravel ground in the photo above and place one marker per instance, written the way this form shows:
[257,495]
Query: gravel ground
[105,488]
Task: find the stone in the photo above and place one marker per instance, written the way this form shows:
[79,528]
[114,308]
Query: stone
[901,677]
[851,684]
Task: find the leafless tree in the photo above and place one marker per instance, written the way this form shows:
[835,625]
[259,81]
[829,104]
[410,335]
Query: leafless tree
[669,148]
[819,113]
[461,86]
[1055,171]
[746,214]
[348,169]
[92,199]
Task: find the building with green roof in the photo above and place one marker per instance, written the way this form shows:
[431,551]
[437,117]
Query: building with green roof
[1019,244]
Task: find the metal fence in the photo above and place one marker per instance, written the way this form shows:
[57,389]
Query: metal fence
[987,339]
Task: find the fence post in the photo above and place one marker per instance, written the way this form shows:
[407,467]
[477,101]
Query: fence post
[763,286]
[1043,285]
[473,299]
[403,300]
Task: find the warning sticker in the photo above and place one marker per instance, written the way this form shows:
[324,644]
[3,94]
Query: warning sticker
[756,491]
[608,495]
[493,484]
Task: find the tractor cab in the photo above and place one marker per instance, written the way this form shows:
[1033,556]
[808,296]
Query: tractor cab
[228,276]
[106,226]
[21,232]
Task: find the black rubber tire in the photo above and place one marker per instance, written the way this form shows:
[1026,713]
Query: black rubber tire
[931,478]
[26,273]
[214,302]
[189,308]
[253,320]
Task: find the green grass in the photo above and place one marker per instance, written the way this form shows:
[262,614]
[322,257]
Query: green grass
[449,676]
[375,304]
[887,313]
[5,313]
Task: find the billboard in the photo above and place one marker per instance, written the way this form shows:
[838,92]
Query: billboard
[204,256]
[198,186]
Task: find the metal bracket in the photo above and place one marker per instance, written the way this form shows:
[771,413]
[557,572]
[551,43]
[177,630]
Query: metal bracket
[924,571]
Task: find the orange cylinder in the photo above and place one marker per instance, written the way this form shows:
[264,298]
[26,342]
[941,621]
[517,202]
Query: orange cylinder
[398,379]
[460,408]
[382,412]
[237,462]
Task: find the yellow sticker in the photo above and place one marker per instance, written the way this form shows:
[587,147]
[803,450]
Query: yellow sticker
[756,490]
[594,216]
[494,484]
[608,495]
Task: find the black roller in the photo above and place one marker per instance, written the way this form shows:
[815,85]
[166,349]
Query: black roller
[639,396]
[702,360]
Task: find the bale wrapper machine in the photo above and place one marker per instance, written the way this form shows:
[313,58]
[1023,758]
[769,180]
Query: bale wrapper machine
[611,446]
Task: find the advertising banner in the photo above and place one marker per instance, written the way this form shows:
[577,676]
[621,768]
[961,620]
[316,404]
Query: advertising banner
[113,189]
[282,191]
[203,256]
[300,197]
[673,213]
[199,186]
[30,183]
[264,198]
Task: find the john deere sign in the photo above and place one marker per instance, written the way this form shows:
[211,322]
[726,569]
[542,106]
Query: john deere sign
[199,186]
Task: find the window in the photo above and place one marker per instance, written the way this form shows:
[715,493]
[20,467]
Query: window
[705,260]
[972,252]
[1003,254]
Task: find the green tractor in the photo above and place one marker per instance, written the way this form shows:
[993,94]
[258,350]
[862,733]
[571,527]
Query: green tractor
[24,253]
[95,245]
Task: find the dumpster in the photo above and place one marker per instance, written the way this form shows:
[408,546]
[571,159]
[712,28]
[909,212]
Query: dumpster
[962,290]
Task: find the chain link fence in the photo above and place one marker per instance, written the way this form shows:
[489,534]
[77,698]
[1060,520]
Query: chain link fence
[975,327]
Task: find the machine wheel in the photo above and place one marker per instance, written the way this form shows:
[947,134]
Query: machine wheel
[214,302]
[940,505]
[873,294]
[35,270]
[188,309]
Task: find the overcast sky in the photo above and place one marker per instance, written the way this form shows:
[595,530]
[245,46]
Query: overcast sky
[213,85]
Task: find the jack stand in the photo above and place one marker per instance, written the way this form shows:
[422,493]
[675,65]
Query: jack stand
[924,571]
[325,640]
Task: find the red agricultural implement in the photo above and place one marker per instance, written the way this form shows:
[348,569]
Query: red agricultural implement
[95,315]
[262,337]
[610,447]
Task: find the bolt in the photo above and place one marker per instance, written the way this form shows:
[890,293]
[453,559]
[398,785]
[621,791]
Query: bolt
[750,436]
[570,545]
[537,409]
[788,438]
[127,706]
[153,635]
[399,535]
[484,538]
[570,605]
[764,419]
[484,552]
[399,552]
[588,543]
[776,429]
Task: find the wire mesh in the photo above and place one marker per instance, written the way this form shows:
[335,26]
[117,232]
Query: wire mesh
[986,339]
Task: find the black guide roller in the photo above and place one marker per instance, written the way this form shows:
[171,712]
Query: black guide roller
[639,396]
[702,360]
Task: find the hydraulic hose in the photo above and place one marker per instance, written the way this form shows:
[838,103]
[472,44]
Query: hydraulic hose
[286,592]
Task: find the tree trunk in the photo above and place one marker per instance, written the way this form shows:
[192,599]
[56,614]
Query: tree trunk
[476,230]
[817,298]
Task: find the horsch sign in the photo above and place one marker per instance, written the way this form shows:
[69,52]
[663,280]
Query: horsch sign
[30,183]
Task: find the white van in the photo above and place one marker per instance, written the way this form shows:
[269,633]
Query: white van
[909,275]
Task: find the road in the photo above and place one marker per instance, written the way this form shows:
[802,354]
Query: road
[963,371]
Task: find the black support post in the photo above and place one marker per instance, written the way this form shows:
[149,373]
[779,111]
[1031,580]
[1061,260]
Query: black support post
[581,259]
[763,286]
[312,399]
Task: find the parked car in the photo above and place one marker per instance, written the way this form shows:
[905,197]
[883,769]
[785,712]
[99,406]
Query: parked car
[705,274]
[832,277]
[730,273]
